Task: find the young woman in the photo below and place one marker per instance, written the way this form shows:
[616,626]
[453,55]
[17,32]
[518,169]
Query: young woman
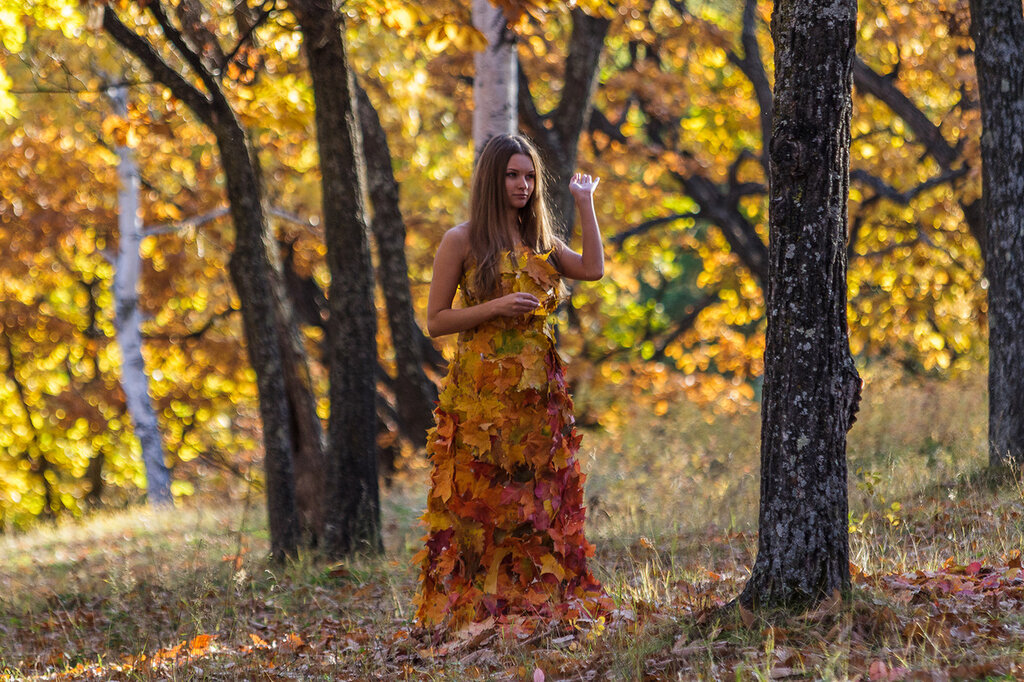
[505,509]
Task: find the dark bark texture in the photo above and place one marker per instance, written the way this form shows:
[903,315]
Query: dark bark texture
[415,393]
[997,27]
[811,388]
[287,404]
[352,498]
[250,262]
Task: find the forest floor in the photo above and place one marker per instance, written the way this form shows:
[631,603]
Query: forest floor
[938,591]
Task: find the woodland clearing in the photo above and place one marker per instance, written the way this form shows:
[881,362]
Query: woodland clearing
[938,588]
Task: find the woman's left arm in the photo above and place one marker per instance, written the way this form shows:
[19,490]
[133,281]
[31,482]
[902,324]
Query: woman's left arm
[588,265]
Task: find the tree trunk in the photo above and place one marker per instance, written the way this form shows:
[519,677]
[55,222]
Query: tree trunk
[261,297]
[351,480]
[559,142]
[997,27]
[134,379]
[494,80]
[291,427]
[811,388]
[415,394]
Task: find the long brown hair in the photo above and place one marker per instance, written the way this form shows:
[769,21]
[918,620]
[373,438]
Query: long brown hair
[489,233]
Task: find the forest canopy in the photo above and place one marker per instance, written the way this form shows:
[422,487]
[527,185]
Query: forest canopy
[676,132]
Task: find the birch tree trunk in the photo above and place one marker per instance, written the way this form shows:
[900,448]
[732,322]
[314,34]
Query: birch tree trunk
[128,320]
[997,27]
[352,494]
[811,388]
[495,77]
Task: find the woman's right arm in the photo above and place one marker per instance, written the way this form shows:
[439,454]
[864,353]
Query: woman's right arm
[448,264]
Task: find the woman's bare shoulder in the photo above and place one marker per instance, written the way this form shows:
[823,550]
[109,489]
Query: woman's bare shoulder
[457,239]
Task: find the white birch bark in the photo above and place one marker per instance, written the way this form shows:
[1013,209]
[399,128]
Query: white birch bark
[134,379]
[495,83]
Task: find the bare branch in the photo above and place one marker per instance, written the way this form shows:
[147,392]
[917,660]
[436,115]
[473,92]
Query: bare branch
[648,225]
[685,323]
[198,102]
[197,333]
[311,223]
[887,191]
[196,221]
[268,8]
[188,54]
[883,88]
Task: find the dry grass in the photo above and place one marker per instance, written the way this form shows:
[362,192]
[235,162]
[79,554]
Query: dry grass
[673,503]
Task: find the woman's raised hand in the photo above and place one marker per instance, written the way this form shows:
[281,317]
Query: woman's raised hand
[582,186]
[511,305]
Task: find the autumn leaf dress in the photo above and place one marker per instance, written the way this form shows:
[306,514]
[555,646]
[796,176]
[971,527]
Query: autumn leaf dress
[505,508]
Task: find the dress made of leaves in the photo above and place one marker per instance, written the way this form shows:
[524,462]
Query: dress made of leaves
[505,509]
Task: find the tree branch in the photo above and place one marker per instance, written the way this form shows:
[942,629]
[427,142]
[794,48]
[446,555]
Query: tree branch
[887,191]
[266,9]
[600,123]
[144,51]
[648,225]
[292,218]
[875,84]
[531,118]
[752,66]
[195,221]
[195,333]
[190,56]
[685,323]
[581,68]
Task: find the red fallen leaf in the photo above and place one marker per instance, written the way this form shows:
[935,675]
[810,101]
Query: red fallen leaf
[973,568]
[538,675]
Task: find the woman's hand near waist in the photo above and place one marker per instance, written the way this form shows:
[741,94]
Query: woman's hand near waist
[514,304]
[451,320]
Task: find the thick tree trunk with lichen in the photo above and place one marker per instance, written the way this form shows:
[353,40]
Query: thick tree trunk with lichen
[811,388]
[353,524]
[997,27]
[494,79]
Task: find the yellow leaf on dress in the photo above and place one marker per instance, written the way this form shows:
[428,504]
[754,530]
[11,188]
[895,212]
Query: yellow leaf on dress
[549,564]
[491,583]
[442,479]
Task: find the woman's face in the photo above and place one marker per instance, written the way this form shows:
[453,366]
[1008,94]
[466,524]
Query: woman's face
[520,179]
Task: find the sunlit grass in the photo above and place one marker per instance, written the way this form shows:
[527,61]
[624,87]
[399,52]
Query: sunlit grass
[672,510]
